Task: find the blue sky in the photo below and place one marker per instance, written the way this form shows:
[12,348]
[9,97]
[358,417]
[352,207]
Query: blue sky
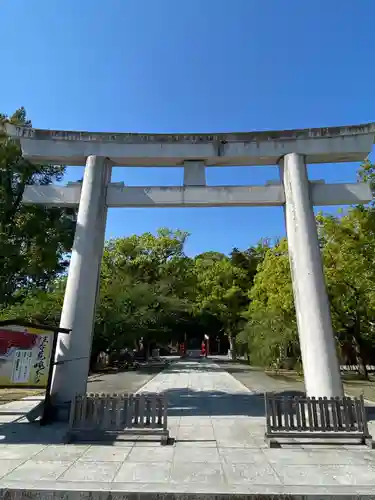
[197,66]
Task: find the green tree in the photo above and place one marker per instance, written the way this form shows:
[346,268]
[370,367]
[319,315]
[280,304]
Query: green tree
[146,289]
[366,173]
[218,292]
[270,331]
[41,306]
[348,251]
[347,245]
[248,260]
[35,241]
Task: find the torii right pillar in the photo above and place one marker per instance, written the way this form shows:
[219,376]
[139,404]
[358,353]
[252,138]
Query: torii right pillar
[319,356]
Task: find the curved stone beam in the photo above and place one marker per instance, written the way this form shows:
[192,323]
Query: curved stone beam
[319,145]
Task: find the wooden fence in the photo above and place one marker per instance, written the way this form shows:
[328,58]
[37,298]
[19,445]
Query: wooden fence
[304,417]
[93,416]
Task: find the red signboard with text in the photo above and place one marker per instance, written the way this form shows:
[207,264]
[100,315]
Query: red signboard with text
[25,356]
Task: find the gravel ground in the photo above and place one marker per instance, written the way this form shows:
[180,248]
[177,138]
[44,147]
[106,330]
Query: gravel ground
[256,380]
[127,381]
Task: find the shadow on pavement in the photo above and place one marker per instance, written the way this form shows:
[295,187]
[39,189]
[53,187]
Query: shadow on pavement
[31,433]
[187,402]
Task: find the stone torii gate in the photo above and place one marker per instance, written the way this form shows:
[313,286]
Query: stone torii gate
[291,150]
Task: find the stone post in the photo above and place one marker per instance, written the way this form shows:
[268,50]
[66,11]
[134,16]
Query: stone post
[318,349]
[73,351]
[194,173]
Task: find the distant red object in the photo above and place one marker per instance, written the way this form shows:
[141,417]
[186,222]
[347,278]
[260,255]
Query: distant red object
[11,338]
[203,348]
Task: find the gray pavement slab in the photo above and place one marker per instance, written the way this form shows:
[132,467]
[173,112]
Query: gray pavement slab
[91,471]
[151,454]
[243,456]
[19,451]
[144,472]
[34,470]
[7,466]
[251,473]
[219,426]
[106,453]
[60,452]
[196,453]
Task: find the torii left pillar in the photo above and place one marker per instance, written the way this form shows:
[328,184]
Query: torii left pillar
[73,351]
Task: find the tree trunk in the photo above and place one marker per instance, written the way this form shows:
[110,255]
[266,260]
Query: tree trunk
[147,346]
[232,347]
[359,350]
[361,362]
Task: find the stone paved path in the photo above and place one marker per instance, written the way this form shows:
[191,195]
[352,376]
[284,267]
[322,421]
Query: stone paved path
[218,424]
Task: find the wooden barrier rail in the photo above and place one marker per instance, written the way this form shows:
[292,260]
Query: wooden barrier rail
[304,417]
[93,416]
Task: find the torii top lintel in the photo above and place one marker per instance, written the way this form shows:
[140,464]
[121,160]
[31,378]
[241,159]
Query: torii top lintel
[319,145]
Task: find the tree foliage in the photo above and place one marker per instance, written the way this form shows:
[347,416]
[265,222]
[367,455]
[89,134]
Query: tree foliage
[35,241]
[348,250]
